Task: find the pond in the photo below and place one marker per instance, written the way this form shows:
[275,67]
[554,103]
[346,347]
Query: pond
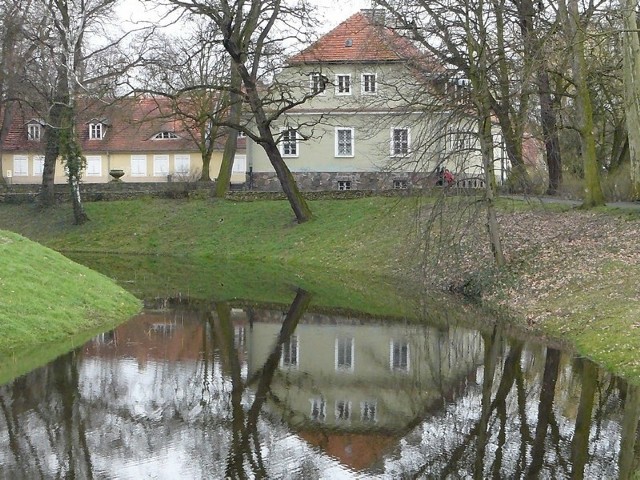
[244,389]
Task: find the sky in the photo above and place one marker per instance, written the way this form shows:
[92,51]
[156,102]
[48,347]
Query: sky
[331,12]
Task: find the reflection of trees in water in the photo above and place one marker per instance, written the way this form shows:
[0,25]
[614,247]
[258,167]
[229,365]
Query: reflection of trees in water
[246,442]
[509,427]
[73,419]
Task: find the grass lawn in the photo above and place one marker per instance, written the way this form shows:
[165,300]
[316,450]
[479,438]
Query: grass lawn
[572,274]
[47,299]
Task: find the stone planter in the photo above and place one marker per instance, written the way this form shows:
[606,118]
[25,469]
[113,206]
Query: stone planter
[116,174]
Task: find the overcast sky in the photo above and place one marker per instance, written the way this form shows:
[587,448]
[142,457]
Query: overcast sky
[331,12]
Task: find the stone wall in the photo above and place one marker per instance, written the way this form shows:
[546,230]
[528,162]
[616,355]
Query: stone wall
[258,186]
[327,181]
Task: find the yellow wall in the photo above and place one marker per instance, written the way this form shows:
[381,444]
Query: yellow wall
[100,163]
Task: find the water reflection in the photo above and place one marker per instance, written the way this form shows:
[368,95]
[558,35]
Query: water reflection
[250,392]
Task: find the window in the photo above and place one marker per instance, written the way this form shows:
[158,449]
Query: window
[368,411]
[34,132]
[182,164]
[317,83]
[239,336]
[344,184]
[289,143]
[318,409]
[399,355]
[160,165]
[344,354]
[138,165]
[38,164]
[343,410]
[20,165]
[368,82]
[290,352]
[239,164]
[400,140]
[400,184]
[94,166]
[344,142]
[343,84]
[96,131]
[165,136]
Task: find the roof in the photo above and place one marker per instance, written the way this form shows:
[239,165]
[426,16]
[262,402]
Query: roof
[130,123]
[361,38]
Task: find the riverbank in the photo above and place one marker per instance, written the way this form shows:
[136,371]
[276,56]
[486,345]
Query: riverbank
[571,275]
[46,299]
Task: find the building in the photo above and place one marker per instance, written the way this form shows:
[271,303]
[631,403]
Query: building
[142,137]
[383,114]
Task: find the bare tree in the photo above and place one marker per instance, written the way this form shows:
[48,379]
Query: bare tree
[193,73]
[253,34]
[456,33]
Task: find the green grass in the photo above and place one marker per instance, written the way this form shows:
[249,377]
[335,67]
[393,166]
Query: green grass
[359,234]
[355,255]
[46,298]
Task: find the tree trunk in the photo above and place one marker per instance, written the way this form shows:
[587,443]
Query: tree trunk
[205,176]
[79,214]
[47,197]
[267,142]
[545,410]
[550,133]
[627,460]
[231,144]
[593,195]
[580,445]
[493,228]
[631,54]
[7,120]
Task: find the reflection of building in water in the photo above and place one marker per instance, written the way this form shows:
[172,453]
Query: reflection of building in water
[355,387]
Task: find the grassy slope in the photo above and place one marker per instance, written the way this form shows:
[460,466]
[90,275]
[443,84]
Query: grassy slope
[352,241]
[46,298]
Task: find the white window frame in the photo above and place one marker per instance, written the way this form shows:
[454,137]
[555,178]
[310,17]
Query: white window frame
[138,161]
[317,84]
[239,164]
[366,88]
[94,161]
[34,132]
[179,162]
[341,87]
[344,414]
[318,411]
[20,166]
[365,411]
[160,165]
[392,146]
[286,143]
[292,344]
[341,343]
[96,131]
[38,164]
[165,135]
[337,142]
[396,364]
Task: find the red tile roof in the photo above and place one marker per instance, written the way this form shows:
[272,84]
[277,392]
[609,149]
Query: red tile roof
[360,38]
[130,125]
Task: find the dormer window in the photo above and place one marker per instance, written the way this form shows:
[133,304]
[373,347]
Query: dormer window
[34,132]
[165,136]
[96,131]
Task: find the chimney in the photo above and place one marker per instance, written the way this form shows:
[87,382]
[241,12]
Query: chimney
[377,15]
